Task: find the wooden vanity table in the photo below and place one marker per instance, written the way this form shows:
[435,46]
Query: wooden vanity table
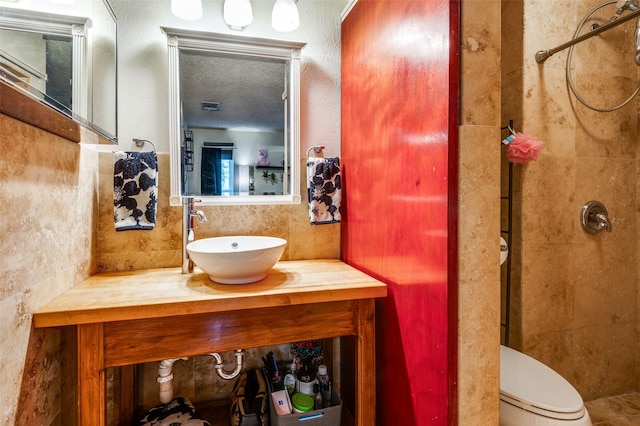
[126,318]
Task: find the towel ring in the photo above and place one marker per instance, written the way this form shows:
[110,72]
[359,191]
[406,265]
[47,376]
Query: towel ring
[317,149]
[140,143]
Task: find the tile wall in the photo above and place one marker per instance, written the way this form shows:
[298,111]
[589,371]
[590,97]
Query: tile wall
[576,303]
[479,214]
[48,200]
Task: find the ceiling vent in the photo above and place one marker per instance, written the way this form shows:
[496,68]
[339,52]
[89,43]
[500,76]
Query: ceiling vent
[211,106]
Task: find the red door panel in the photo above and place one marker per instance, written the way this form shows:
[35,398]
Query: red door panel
[398,152]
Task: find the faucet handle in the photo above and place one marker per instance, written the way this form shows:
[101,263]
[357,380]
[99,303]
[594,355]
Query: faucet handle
[199,214]
[603,221]
[594,218]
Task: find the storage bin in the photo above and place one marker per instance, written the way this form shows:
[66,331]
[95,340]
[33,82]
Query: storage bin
[323,417]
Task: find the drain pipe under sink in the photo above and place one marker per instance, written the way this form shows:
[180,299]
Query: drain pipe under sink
[165,372]
[165,379]
[219,365]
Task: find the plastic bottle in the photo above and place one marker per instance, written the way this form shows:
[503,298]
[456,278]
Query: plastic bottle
[306,380]
[317,398]
[325,385]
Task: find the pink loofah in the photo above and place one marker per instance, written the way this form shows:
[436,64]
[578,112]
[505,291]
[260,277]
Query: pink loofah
[523,148]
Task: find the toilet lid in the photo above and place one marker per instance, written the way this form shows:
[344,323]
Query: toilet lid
[531,385]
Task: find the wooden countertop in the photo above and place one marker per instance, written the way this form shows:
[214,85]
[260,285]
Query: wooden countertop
[153,293]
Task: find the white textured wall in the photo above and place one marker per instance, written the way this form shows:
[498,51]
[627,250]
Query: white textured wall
[142,71]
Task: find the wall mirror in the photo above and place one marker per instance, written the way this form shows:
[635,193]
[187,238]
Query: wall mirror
[234,118]
[64,56]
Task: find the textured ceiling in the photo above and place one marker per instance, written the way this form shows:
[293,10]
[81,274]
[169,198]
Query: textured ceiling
[249,90]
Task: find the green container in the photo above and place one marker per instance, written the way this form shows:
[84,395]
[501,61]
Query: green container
[302,402]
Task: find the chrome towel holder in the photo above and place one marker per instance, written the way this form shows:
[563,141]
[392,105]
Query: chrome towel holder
[317,149]
[140,143]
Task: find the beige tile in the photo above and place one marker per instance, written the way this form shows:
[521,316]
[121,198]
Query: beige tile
[631,403]
[548,288]
[606,135]
[615,410]
[547,25]
[621,421]
[603,359]
[480,63]
[547,192]
[156,248]
[479,274]
[46,247]
[605,285]
[479,216]
[244,220]
[607,180]
[512,43]
[547,111]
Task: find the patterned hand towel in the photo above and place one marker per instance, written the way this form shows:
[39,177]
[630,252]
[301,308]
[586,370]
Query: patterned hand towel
[323,187]
[135,191]
[177,412]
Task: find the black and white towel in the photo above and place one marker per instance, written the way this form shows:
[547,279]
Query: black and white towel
[324,186]
[177,412]
[135,190]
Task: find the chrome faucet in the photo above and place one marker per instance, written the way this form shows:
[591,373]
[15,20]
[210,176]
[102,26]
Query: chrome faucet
[189,213]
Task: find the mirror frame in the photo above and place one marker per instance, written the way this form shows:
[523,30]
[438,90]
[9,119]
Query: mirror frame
[225,43]
[48,23]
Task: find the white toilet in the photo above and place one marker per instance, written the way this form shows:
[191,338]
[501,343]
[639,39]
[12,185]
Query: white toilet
[532,394]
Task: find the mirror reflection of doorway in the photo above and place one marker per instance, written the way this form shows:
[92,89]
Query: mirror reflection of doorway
[216,171]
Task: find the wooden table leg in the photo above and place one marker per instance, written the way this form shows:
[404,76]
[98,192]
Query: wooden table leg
[128,395]
[91,375]
[366,368]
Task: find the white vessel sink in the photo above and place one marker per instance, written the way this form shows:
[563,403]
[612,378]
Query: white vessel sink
[236,260]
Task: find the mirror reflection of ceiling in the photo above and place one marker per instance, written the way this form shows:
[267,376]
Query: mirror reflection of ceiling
[249,91]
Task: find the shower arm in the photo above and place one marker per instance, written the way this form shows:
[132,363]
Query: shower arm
[543,55]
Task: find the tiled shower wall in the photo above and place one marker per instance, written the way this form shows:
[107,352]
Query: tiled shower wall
[574,301]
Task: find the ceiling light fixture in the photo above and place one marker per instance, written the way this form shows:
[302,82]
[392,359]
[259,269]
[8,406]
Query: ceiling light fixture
[237,14]
[284,16]
[187,9]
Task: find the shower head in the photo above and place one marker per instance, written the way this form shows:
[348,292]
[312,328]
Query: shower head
[633,6]
[623,5]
